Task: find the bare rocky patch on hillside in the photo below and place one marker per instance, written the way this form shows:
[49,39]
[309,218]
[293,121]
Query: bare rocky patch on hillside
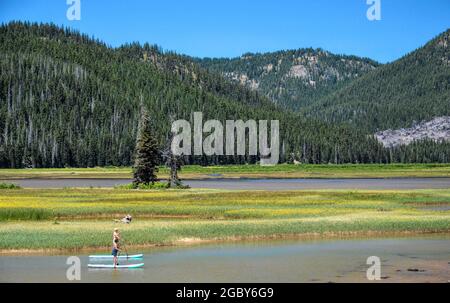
[437,130]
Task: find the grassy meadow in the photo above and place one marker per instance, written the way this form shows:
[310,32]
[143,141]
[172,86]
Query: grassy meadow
[33,219]
[247,171]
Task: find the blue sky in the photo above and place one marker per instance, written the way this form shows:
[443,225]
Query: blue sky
[211,28]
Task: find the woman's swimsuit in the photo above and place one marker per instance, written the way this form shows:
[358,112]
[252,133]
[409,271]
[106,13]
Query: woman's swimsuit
[114,250]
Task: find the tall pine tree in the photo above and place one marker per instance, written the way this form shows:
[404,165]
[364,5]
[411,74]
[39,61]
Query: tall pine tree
[147,154]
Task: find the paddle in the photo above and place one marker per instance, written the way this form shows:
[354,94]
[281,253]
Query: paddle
[126,250]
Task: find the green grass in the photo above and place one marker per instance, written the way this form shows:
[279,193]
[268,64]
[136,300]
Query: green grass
[85,216]
[9,186]
[156,185]
[247,171]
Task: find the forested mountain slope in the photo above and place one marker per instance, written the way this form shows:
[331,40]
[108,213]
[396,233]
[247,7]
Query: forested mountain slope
[190,73]
[412,89]
[70,100]
[292,78]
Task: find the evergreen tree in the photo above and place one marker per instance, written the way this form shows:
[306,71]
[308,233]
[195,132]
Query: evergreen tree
[147,156]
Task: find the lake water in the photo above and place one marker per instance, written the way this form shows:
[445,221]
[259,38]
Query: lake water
[258,184]
[417,259]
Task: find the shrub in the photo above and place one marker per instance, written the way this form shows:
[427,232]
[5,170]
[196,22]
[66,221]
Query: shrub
[9,186]
[144,186]
[126,186]
[156,185]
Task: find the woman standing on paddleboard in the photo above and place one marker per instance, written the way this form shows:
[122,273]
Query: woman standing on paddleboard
[116,247]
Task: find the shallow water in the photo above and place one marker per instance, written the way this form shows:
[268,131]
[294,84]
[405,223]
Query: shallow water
[263,261]
[257,184]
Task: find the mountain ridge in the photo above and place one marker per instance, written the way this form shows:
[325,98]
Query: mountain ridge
[69,100]
[413,88]
[291,78]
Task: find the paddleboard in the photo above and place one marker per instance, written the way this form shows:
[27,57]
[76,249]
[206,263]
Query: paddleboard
[137,265]
[121,257]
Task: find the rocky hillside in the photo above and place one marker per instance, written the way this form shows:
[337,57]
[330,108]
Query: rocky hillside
[413,88]
[437,130]
[293,78]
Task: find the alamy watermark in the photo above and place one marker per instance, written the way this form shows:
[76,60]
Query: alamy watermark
[374,10]
[73,273]
[235,138]
[74,10]
[373,273]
